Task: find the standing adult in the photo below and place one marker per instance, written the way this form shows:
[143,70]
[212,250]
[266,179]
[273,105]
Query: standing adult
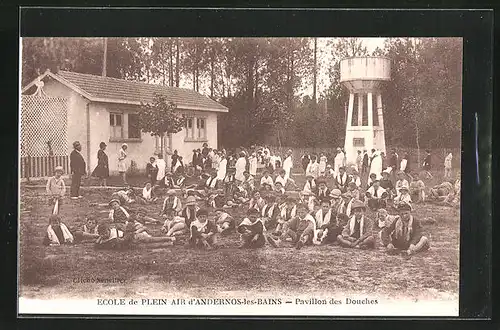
[427,164]
[221,171]
[338,161]
[322,163]
[364,165]
[162,166]
[102,169]
[394,161]
[175,158]
[77,166]
[240,167]
[447,165]
[288,164]
[122,163]
[359,161]
[305,161]
[376,164]
[252,162]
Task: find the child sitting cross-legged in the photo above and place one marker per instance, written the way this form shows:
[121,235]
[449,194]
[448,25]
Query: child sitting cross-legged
[148,195]
[112,238]
[288,212]
[203,232]
[325,224]
[403,197]
[300,229]
[252,230]
[88,232]
[404,234]
[358,231]
[271,210]
[174,225]
[57,232]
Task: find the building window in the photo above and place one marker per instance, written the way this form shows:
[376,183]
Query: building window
[196,129]
[358,142]
[200,125]
[115,123]
[134,132]
[189,128]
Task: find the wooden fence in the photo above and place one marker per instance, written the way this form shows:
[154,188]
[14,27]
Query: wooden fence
[43,136]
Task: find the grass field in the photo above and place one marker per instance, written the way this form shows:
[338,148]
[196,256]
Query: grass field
[53,271]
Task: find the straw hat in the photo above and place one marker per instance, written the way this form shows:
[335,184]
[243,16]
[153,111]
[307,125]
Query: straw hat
[59,168]
[358,205]
[336,193]
[191,200]
[114,200]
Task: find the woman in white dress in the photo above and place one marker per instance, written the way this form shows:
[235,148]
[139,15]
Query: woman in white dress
[322,164]
[162,166]
[222,166]
[241,164]
[447,166]
[122,164]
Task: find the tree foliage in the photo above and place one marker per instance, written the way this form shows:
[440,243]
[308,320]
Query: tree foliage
[160,117]
[261,81]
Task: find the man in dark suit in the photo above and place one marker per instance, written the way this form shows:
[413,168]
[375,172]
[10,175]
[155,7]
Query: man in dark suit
[364,167]
[77,166]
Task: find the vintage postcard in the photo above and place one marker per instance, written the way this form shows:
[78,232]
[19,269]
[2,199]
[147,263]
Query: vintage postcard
[240,176]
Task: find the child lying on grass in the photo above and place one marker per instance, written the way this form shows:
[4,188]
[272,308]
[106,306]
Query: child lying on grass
[112,238]
[88,233]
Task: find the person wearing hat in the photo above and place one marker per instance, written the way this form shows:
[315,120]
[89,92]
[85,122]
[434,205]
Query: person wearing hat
[342,179]
[118,215]
[357,233]
[288,164]
[404,234]
[171,202]
[203,232]
[122,163]
[403,197]
[402,182]
[101,171]
[321,191]
[300,228]
[346,205]
[376,196]
[78,169]
[152,170]
[266,182]
[336,200]
[56,189]
[354,176]
[190,210]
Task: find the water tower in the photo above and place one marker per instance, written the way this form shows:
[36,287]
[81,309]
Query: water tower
[363,76]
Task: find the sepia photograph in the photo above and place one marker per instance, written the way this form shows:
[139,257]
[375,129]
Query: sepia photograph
[284,176]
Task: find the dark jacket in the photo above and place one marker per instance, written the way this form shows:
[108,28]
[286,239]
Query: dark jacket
[77,163]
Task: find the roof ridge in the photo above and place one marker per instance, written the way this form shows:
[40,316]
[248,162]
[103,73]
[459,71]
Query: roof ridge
[132,81]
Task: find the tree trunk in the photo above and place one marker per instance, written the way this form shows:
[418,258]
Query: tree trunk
[105,57]
[171,63]
[161,143]
[315,73]
[177,60]
[212,74]
[417,140]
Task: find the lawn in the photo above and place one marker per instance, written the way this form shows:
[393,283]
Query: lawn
[53,271]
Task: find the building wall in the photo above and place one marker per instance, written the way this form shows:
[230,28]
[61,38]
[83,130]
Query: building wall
[138,151]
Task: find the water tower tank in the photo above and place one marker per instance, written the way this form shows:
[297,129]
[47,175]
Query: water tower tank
[363,76]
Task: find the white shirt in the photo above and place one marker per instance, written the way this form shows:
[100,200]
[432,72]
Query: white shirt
[160,163]
[268,181]
[404,162]
[221,171]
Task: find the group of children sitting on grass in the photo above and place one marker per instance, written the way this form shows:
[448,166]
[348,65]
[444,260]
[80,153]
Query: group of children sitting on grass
[316,215]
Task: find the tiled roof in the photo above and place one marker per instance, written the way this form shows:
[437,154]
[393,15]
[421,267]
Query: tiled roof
[110,89]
